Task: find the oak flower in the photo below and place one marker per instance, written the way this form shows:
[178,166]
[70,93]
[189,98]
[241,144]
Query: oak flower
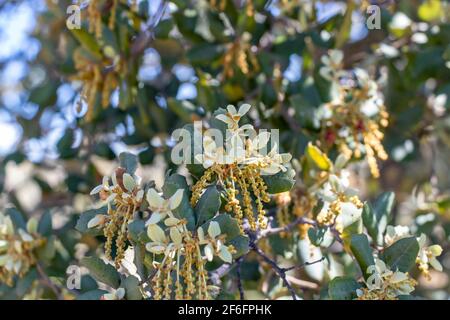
[232,117]
[385,284]
[427,256]
[162,207]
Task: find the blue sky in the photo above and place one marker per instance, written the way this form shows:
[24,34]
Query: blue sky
[15,25]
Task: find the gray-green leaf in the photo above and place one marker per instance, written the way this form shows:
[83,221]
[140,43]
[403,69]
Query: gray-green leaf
[129,162]
[101,271]
[208,205]
[280,182]
[360,248]
[402,254]
[342,288]
[376,217]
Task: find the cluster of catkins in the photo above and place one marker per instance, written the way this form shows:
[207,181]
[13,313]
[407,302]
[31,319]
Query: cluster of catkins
[17,248]
[181,273]
[240,168]
[123,197]
[99,67]
[177,251]
[353,119]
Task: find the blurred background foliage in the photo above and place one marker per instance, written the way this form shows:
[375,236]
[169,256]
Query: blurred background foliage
[165,64]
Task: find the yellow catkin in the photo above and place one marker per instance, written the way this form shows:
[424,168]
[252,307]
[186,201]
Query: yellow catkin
[95,18]
[120,213]
[249,182]
[121,238]
[259,189]
[201,184]
[233,204]
[109,232]
[250,10]
[191,275]
[187,274]
[247,201]
[283,219]
[202,277]
[112,17]
[108,86]
[303,208]
[157,288]
[179,290]
[168,279]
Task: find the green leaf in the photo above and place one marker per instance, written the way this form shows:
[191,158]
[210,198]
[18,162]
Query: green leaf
[102,272]
[183,109]
[132,288]
[343,288]
[351,228]
[84,219]
[88,42]
[136,229]
[184,210]
[65,144]
[280,182]
[23,285]
[402,254]
[344,32]
[45,224]
[208,205]
[92,295]
[306,104]
[88,283]
[241,244]
[376,218]
[384,204]
[218,124]
[204,54]
[195,170]
[47,252]
[16,218]
[360,248]
[146,156]
[228,225]
[102,149]
[129,162]
[163,28]
[321,236]
[44,95]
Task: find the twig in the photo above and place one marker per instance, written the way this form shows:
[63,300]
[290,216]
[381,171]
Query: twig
[220,272]
[216,275]
[303,284]
[304,264]
[48,282]
[149,278]
[286,228]
[239,279]
[146,36]
[280,271]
